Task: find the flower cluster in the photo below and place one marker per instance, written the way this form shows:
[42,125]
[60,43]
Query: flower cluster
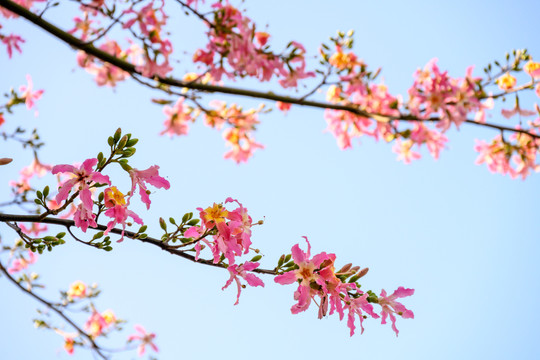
[155,55]
[104,73]
[151,59]
[238,134]
[98,324]
[21,262]
[84,178]
[177,118]
[234,39]
[35,169]
[503,157]
[316,277]
[434,97]
[436,93]
[24,3]
[231,238]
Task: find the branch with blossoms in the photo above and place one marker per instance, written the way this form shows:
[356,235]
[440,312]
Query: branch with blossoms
[222,231]
[356,106]
[21,189]
[79,298]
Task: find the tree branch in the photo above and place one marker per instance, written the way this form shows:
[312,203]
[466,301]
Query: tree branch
[130,68]
[130,234]
[95,347]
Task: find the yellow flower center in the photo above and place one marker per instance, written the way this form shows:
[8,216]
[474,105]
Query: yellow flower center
[341,60]
[77,289]
[108,316]
[531,66]
[215,213]
[114,197]
[506,81]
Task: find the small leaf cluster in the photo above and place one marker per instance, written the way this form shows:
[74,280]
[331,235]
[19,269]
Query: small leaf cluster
[104,244]
[122,147]
[285,264]
[513,63]
[46,242]
[180,229]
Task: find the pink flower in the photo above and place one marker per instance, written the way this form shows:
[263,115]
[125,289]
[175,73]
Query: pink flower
[533,69]
[150,176]
[240,224]
[517,110]
[21,263]
[403,149]
[145,339]
[84,176]
[24,3]
[177,119]
[283,106]
[242,270]
[390,306]
[355,307]
[29,95]
[242,144]
[12,42]
[35,229]
[68,344]
[118,210]
[105,73]
[305,274]
[35,168]
[96,324]
[83,25]
[434,140]
[84,218]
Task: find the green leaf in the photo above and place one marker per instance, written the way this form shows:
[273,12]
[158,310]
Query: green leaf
[117,134]
[132,142]
[163,224]
[129,152]
[122,142]
[281,260]
[124,165]
[256,258]
[187,217]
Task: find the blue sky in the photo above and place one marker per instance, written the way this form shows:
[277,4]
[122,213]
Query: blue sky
[465,239]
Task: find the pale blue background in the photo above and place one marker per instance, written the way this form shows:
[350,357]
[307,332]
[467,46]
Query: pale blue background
[465,239]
